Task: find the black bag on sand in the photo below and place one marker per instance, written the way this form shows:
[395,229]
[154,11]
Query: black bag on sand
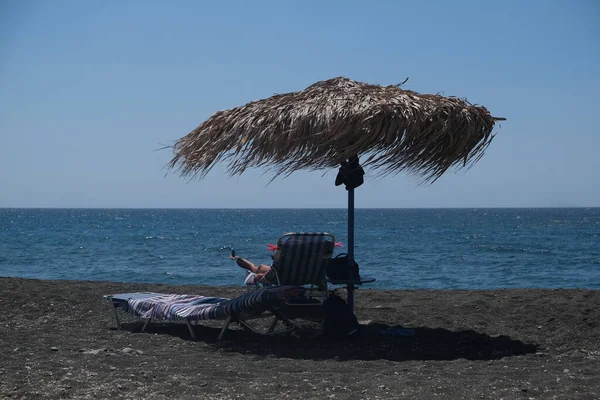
[338,268]
[340,322]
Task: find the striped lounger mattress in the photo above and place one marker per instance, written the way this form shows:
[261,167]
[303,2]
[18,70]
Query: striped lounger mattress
[181,307]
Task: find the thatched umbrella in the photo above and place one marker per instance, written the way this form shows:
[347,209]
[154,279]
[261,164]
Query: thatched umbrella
[332,123]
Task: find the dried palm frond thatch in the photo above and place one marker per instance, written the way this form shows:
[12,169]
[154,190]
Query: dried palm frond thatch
[331,121]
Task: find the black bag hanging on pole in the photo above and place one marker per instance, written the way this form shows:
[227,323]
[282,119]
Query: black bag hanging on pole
[339,270]
[350,174]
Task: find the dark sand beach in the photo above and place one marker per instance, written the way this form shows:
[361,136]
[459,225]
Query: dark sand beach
[57,341]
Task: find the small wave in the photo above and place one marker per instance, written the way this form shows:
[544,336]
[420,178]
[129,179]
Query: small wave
[171,275]
[475,236]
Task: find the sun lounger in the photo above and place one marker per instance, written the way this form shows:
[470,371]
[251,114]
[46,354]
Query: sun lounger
[262,303]
[300,271]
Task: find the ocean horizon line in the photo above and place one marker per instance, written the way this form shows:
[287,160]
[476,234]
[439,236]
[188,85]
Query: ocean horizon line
[307,208]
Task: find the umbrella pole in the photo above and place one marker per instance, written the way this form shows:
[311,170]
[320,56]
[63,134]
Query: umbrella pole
[350,286]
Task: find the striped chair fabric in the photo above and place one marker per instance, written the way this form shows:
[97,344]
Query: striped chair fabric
[303,258]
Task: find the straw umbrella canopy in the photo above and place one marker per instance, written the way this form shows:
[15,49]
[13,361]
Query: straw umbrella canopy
[334,122]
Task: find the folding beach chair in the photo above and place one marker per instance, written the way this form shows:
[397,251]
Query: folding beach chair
[302,261]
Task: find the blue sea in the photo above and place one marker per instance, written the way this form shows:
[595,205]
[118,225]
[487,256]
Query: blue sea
[402,248]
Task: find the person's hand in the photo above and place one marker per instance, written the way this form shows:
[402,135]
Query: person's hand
[233,257]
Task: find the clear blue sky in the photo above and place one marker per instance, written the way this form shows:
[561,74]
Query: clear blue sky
[89,91]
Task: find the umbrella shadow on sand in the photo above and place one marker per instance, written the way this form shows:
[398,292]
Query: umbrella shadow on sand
[422,343]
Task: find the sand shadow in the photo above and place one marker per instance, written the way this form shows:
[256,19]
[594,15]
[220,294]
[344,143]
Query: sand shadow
[425,344]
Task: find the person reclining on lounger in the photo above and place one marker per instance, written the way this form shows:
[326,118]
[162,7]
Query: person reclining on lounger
[263,273]
[258,274]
